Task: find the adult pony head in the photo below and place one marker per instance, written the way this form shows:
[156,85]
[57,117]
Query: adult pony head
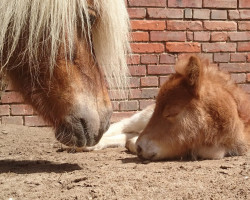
[57,53]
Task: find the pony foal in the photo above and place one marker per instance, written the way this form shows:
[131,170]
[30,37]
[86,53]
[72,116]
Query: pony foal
[199,112]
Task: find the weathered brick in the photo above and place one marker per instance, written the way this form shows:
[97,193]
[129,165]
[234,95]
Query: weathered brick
[239,36]
[17,120]
[165,13]
[221,57]
[11,97]
[35,121]
[185,3]
[220,3]
[239,14]
[184,25]
[188,13]
[143,93]
[147,47]
[167,59]
[235,67]
[183,47]
[137,13]
[118,116]
[21,109]
[248,57]
[149,59]
[145,3]
[4,110]
[147,25]
[243,46]
[219,47]
[140,36]
[116,94]
[245,87]
[248,77]
[129,105]
[134,82]
[190,36]
[149,81]
[239,78]
[244,25]
[160,69]
[219,14]
[115,105]
[201,36]
[201,13]
[163,79]
[167,36]
[137,70]
[219,36]
[244,3]
[220,25]
[133,59]
[238,57]
[145,103]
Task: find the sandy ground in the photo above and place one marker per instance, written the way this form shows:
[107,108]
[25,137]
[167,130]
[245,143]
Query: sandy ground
[32,166]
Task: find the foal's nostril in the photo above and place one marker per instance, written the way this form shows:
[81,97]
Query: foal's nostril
[139,150]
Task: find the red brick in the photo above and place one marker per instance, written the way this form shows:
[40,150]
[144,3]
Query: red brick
[183,47]
[220,3]
[167,36]
[116,94]
[147,47]
[184,25]
[134,82]
[138,13]
[160,69]
[190,36]
[233,14]
[165,13]
[145,3]
[239,78]
[245,87]
[149,59]
[143,93]
[149,81]
[17,120]
[238,57]
[148,25]
[133,59]
[4,110]
[248,77]
[163,79]
[137,70]
[235,67]
[220,25]
[145,103]
[12,97]
[239,36]
[244,3]
[201,13]
[248,57]
[115,105]
[219,36]
[201,36]
[221,57]
[140,36]
[167,59]
[243,46]
[244,25]
[219,14]
[239,14]
[118,116]
[219,47]
[129,105]
[34,121]
[21,110]
[185,3]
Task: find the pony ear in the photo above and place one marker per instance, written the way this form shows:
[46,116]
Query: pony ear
[191,68]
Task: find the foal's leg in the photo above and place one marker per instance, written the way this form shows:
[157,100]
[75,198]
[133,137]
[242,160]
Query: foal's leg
[119,133]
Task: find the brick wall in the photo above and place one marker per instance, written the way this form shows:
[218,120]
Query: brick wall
[162,29]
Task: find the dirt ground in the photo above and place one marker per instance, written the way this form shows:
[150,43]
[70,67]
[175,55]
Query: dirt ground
[32,166]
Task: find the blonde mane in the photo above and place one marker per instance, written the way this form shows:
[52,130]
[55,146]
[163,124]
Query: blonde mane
[51,24]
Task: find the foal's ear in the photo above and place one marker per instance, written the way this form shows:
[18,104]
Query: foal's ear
[191,68]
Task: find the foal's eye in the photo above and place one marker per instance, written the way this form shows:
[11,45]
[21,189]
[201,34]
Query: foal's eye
[92,19]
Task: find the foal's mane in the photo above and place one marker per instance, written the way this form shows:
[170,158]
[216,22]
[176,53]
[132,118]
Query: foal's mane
[52,23]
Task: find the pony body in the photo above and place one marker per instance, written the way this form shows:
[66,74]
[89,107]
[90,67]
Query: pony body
[57,52]
[199,112]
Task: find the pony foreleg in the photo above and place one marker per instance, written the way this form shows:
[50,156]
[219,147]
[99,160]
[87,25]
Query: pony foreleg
[127,129]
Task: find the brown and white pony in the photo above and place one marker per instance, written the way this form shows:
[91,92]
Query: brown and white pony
[199,112]
[57,53]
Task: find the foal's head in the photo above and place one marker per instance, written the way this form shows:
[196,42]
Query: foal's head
[57,54]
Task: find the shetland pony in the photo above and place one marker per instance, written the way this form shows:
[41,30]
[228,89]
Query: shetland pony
[57,53]
[199,112]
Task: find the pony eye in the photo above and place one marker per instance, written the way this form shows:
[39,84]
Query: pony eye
[92,19]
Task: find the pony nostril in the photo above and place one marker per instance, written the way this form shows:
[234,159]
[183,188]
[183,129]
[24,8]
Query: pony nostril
[139,150]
